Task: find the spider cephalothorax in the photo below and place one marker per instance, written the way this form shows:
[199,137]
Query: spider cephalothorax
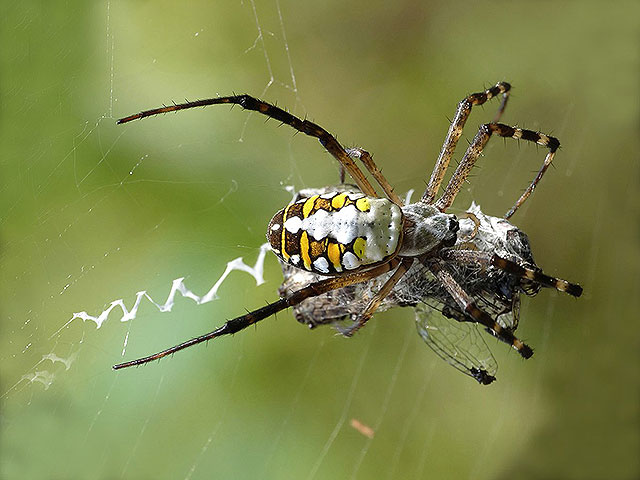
[349,247]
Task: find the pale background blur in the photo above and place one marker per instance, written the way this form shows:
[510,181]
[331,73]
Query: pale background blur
[92,213]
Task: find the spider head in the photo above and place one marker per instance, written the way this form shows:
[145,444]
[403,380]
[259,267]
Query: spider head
[427,228]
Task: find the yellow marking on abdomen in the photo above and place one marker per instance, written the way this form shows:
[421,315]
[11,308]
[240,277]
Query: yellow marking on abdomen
[308,206]
[363,204]
[337,202]
[359,247]
[304,250]
[333,252]
[283,243]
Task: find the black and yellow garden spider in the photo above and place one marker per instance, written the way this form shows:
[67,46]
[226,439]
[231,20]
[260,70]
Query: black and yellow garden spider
[340,246]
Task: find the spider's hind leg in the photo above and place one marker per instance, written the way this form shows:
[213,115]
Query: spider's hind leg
[375,302]
[367,160]
[251,318]
[328,141]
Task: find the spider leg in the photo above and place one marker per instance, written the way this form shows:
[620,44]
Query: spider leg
[529,190]
[475,149]
[377,299]
[244,321]
[248,102]
[367,160]
[468,305]
[472,257]
[537,276]
[476,225]
[455,130]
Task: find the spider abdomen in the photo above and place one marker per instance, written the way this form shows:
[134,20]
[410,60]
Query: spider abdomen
[336,232]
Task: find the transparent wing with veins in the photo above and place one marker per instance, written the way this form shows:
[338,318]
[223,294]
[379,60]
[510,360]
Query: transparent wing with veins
[460,344]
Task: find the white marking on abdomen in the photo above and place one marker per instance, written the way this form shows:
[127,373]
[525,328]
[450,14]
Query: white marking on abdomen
[380,226]
[350,261]
[293,224]
[321,265]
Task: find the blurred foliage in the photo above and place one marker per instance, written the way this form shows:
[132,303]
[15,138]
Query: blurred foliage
[92,212]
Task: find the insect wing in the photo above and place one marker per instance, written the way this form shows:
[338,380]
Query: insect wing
[505,311]
[460,344]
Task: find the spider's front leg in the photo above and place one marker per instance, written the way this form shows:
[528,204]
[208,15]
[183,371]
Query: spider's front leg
[472,257]
[477,146]
[455,131]
[468,305]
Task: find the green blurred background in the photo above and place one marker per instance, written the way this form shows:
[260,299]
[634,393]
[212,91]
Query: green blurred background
[92,213]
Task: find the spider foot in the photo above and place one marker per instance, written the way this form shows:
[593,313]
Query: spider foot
[350,330]
[347,332]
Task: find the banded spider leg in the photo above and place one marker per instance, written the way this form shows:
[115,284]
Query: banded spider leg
[251,318]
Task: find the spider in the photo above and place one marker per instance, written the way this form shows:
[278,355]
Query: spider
[340,246]
[440,322]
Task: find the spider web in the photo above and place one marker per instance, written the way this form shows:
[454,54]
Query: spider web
[118,241]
